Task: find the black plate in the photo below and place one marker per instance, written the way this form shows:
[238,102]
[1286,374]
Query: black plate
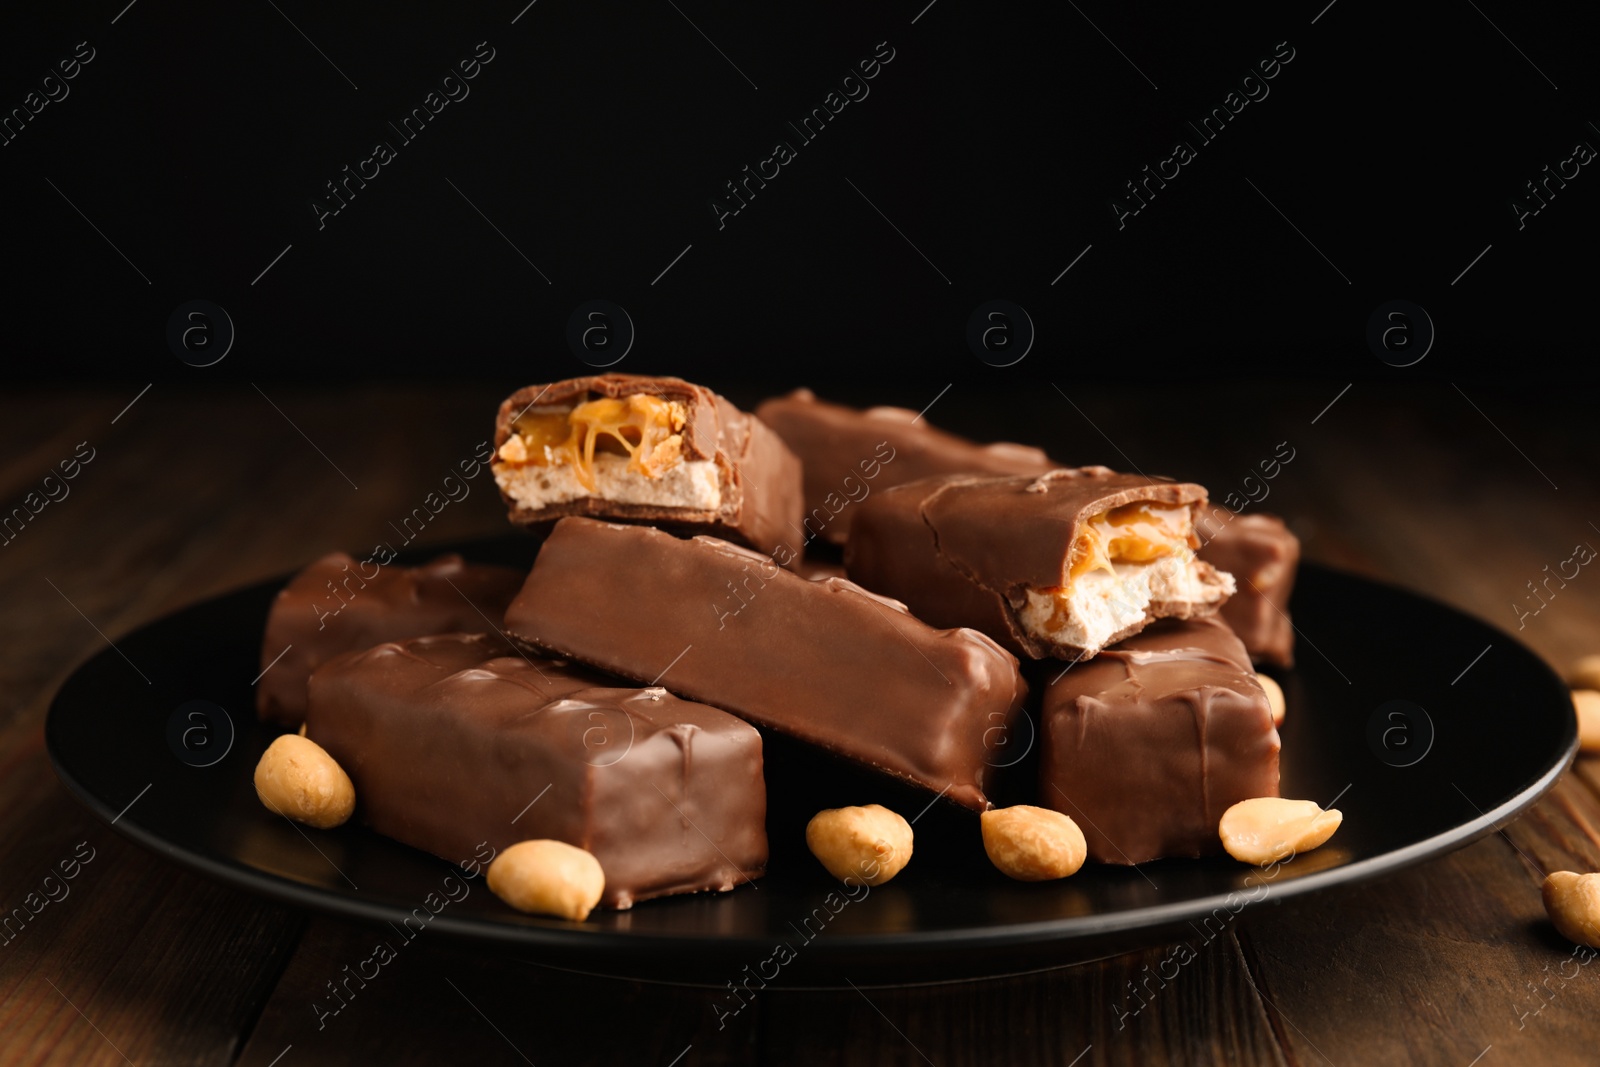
[1502,730]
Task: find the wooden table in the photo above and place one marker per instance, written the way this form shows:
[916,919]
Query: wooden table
[192,493]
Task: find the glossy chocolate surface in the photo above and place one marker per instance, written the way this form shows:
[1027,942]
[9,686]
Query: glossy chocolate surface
[1262,555]
[339,604]
[1146,745]
[824,660]
[849,454]
[457,740]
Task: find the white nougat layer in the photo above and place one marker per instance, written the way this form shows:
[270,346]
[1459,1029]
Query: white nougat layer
[691,484]
[1099,605]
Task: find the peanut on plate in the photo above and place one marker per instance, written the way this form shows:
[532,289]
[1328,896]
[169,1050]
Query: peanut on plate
[869,845]
[1032,844]
[1265,830]
[548,878]
[295,777]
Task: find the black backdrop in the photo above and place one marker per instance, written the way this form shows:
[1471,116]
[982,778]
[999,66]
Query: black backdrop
[1379,163]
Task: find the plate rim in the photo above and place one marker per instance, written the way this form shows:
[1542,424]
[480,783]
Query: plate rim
[532,932]
[1153,917]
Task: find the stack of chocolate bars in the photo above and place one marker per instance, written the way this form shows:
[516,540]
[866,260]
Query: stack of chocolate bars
[688,591]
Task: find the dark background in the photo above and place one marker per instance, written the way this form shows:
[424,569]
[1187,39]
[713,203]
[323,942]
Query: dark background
[994,142]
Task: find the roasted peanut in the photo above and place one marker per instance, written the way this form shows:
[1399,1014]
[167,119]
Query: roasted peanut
[1585,673]
[1573,904]
[1587,703]
[297,778]
[1032,844]
[515,450]
[548,878]
[1275,699]
[867,844]
[1267,829]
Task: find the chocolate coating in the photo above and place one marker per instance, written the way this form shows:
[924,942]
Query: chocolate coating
[759,475]
[1146,745]
[962,550]
[330,608]
[457,739]
[1262,555]
[816,568]
[824,660]
[847,454]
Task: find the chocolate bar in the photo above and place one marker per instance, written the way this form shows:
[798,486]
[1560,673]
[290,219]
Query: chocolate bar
[335,605]
[823,660]
[1146,745]
[459,739]
[848,454]
[1060,565]
[1261,554]
[643,449]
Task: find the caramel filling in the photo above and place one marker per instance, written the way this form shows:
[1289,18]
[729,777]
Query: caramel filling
[646,429]
[1134,533]
[1127,566]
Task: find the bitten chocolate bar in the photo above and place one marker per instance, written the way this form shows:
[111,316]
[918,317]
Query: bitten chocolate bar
[458,739]
[336,606]
[643,449]
[1060,565]
[1262,555]
[822,660]
[1146,745]
[848,454]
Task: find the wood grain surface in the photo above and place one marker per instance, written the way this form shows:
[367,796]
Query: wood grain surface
[194,492]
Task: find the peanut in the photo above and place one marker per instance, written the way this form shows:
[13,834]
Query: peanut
[1585,673]
[514,450]
[548,878]
[1032,844]
[1573,903]
[297,778]
[1587,704]
[1264,830]
[1275,699]
[866,844]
